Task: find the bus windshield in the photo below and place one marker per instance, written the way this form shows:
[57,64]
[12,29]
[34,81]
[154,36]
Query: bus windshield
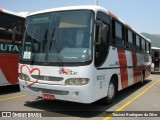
[58,37]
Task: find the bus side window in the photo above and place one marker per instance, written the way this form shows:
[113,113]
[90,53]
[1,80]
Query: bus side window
[137,43]
[118,34]
[130,40]
[149,48]
[143,46]
[18,30]
[14,31]
[101,49]
[102,38]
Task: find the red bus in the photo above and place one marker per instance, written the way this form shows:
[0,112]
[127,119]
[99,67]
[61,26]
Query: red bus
[11,29]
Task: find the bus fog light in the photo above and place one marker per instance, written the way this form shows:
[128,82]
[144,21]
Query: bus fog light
[77,93]
[23,87]
[77,81]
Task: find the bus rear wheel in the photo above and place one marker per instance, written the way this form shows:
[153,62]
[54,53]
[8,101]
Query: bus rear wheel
[111,94]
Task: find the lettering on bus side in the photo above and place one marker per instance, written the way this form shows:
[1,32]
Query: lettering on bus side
[100,79]
[11,48]
[7,47]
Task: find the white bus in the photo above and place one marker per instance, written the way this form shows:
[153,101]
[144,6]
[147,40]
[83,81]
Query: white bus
[11,29]
[81,54]
[155,51]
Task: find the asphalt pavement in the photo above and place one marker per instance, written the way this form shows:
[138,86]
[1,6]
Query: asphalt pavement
[134,103]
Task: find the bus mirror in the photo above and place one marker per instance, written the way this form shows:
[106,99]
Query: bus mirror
[14,34]
[98,32]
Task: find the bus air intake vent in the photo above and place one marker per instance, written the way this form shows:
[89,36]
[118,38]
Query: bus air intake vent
[55,92]
[47,78]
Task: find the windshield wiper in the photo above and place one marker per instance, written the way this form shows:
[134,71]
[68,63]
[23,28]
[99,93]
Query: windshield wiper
[57,51]
[32,44]
[44,41]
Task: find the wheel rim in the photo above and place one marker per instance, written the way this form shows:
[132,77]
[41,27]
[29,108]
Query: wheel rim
[111,91]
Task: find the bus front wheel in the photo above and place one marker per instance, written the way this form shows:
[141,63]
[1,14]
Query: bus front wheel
[111,94]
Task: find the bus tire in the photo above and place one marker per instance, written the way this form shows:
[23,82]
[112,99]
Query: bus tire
[111,94]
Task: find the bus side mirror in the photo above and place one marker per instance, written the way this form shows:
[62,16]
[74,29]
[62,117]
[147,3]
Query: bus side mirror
[98,32]
[14,34]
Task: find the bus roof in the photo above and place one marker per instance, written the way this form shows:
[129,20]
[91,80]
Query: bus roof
[21,14]
[95,8]
[88,7]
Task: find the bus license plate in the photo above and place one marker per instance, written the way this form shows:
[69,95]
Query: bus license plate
[48,97]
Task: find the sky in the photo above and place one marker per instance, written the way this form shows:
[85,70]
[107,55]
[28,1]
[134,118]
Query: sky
[142,15]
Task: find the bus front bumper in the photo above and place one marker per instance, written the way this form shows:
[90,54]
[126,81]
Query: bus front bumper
[80,94]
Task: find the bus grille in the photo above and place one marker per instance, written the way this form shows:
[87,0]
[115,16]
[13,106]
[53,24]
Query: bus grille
[56,92]
[47,78]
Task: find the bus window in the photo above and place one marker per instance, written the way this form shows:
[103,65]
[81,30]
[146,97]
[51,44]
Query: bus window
[118,34]
[130,37]
[137,42]
[147,47]
[130,42]
[118,30]
[101,49]
[143,45]
[10,24]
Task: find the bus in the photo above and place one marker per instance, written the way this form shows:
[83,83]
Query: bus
[11,29]
[81,54]
[155,67]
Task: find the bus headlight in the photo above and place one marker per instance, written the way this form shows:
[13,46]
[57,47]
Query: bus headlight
[77,81]
[24,77]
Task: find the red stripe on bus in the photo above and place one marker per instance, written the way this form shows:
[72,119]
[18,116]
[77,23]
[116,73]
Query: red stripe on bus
[123,67]
[9,67]
[128,26]
[134,61]
[113,15]
[8,40]
[1,10]
[5,40]
[136,70]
